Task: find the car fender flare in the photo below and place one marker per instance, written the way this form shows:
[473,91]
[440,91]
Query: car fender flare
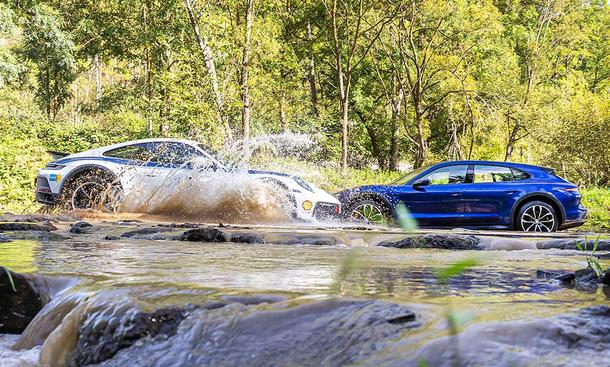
[80,169]
[373,196]
[530,195]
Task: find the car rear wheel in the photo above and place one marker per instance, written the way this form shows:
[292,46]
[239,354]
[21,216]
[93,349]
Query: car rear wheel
[369,212]
[95,190]
[537,216]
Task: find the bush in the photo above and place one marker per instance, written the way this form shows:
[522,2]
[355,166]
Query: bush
[597,200]
[20,159]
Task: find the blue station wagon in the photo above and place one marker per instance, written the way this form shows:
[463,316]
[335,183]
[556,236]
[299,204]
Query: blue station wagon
[472,194]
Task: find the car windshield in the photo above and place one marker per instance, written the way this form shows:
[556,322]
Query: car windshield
[221,165]
[409,176]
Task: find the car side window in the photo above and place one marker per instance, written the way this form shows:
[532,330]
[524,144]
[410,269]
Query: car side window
[486,173]
[137,152]
[173,153]
[519,175]
[448,175]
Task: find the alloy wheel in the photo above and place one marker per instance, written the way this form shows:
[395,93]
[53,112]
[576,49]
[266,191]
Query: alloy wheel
[537,218]
[368,213]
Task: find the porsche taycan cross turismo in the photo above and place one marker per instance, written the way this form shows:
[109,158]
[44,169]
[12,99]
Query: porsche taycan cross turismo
[92,178]
[472,194]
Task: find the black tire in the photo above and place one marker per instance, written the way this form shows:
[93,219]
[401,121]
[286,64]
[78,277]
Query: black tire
[537,216]
[369,211]
[91,190]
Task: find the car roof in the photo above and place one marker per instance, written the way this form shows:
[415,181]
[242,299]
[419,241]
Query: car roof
[150,140]
[495,163]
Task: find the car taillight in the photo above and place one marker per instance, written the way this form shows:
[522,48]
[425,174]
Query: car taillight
[337,209]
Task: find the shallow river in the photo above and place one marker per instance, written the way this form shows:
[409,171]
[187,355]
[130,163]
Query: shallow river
[507,315]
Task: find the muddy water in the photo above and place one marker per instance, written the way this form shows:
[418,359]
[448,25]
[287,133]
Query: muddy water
[524,319]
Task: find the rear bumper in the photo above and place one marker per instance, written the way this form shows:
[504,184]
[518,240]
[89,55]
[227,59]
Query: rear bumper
[571,224]
[578,221]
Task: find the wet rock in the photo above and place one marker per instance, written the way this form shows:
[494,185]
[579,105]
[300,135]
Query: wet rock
[37,218]
[102,335]
[303,239]
[440,241]
[252,238]
[80,227]
[573,339]
[4,239]
[111,238]
[19,302]
[180,225]
[204,234]
[41,236]
[151,233]
[324,333]
[26,226]
[570,244]
[254,300]
[585,280]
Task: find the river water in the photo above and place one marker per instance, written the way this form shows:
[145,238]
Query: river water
[283,302]
[304,305]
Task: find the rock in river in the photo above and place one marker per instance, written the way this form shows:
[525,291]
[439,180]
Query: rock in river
[19,302]
[440,241]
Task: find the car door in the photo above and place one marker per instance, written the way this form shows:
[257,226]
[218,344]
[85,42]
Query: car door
[439,203]
[489,198]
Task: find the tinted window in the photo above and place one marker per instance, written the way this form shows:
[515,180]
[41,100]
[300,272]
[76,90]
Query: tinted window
[484,174]
[448,175]
[137,152]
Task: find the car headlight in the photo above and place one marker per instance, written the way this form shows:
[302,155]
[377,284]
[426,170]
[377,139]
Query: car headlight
[54,166]
[303,184]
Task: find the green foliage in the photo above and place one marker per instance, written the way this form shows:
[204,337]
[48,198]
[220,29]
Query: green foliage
[592,261]
[597,201]
[20,158]
[523,81]
[51,50]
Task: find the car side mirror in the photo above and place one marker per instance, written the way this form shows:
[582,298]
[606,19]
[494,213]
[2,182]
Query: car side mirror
[421,182]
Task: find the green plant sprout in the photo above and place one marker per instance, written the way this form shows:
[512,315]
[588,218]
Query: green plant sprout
[592,261]
[10,279]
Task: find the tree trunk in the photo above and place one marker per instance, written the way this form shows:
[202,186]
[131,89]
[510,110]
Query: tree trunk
[311,75]
[208,58]
[393,163]
[245,88]
[98,79]
[148,61]
[283,121]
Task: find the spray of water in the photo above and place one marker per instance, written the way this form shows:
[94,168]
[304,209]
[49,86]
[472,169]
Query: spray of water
[216,190]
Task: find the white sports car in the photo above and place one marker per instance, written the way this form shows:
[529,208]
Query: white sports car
[83,180]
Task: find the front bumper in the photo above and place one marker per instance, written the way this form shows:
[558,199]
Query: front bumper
[44,195]
[326,211]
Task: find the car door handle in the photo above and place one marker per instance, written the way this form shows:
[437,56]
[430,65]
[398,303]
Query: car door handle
[456,194]
[150,175]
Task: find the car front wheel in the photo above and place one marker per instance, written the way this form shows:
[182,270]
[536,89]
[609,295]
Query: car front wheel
[537,216]
[369,212]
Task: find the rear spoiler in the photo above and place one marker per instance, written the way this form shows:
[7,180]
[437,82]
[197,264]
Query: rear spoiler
[57,155]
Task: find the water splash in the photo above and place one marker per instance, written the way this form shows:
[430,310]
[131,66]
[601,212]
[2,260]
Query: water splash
[217,189]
